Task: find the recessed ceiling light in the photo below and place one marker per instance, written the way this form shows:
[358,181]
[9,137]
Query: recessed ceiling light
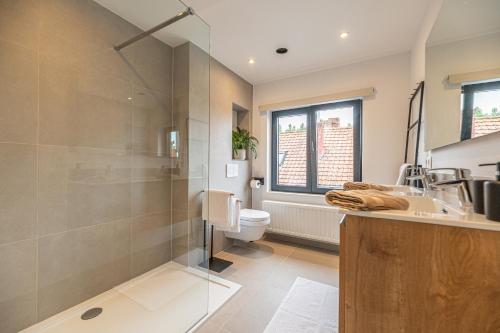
[251,61]
[344,35]
[129,98]
[282,50]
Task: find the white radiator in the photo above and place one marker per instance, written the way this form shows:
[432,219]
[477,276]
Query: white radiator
[303,220]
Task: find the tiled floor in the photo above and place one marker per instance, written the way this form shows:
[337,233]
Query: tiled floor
[266,270]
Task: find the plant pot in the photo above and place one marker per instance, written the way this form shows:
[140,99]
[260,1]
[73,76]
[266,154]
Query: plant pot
[241,155]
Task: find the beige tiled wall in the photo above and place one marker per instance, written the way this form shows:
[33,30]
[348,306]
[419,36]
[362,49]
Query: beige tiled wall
[191,118]
[84,198]
[227,89]
[207,142]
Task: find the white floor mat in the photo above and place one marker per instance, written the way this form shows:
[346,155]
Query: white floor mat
[309,307]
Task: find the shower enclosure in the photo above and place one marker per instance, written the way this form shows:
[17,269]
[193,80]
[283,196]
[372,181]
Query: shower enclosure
[104,149]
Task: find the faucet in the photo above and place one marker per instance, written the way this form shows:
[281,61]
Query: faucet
[422,176]
[463,189]
[415,173]
[427,176]
[460,181]
[458,173]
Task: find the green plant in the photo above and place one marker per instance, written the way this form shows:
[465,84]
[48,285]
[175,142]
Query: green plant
[243,140]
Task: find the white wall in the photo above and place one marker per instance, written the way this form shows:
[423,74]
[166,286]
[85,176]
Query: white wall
[384,116]
[417,69]
[463,154]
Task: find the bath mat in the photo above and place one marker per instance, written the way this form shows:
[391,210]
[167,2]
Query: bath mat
[309,307]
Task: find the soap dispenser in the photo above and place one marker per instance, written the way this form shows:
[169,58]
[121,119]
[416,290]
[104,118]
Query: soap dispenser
[492,196]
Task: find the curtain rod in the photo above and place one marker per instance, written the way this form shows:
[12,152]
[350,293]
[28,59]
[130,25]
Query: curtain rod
[180,16]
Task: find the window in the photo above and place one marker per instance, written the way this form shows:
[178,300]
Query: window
[316,148]
[480,109]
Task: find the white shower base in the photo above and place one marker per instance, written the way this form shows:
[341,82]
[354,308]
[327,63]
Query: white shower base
[169,298]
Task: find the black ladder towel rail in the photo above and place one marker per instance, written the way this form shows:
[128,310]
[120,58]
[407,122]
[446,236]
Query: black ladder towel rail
[417,123]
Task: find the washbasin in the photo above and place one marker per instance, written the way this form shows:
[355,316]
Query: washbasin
[432,207]
[403,190]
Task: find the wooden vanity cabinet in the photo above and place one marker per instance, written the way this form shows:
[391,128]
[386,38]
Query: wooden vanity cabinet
[398,276]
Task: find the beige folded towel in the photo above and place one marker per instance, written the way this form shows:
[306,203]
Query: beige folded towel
[365,186]
[366,200]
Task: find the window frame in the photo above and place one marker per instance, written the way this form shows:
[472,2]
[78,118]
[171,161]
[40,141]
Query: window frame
[468,91]
[312,163]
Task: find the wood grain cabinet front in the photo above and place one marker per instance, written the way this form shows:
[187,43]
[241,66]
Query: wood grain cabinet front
[399,276]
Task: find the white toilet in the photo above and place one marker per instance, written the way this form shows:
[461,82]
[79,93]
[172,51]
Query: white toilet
[253,224]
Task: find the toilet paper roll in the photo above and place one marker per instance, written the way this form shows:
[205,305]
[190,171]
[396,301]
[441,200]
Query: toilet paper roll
[254,183]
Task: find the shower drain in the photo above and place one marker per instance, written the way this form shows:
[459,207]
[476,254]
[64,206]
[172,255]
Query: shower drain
[92,313]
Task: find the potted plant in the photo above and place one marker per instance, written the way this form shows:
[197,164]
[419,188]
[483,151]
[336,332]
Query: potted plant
[243,141]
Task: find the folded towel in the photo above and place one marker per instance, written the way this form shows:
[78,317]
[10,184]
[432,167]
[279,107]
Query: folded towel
[365,186]
[235,216]
[215,207]
[366,200]
[222,210]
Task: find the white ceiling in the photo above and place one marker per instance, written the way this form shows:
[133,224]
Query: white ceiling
[482,17]
[243,29]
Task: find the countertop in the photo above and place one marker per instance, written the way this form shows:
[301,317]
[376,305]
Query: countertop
[430,207]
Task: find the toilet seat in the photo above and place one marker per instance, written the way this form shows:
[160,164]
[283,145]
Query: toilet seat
[253,217]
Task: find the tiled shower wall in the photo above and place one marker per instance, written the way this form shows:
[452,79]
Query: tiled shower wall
[85,195]
[191,117]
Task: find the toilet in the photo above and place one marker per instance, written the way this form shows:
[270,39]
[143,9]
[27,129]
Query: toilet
[253,223]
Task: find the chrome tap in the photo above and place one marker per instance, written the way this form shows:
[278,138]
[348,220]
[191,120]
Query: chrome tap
[423,178]
[463,190]
[431,176]
[416,173]
[455,173]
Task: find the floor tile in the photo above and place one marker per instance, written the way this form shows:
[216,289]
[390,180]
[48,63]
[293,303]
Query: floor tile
[266,270]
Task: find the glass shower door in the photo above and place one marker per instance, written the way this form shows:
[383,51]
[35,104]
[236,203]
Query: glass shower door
[189,146]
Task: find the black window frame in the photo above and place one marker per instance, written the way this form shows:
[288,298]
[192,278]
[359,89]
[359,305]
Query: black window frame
[311,169]
[468,91]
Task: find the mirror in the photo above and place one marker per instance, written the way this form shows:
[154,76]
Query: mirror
[462,73]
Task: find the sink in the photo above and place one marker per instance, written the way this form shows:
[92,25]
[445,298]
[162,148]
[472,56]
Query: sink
[402,190]
[431,207]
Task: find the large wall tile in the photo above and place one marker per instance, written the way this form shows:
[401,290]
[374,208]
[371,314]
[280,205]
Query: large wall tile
[181,70]
[17,286]
[18,92]
[197,251]
[198,159]
[75,112]
[19,21]
[149,167]
[152,63]
[17,192]
[81,187]
[151,242]
[79,264]
[180,187]
[199,84]
[180,236]
[78,29]
[152,120]
[150,196]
